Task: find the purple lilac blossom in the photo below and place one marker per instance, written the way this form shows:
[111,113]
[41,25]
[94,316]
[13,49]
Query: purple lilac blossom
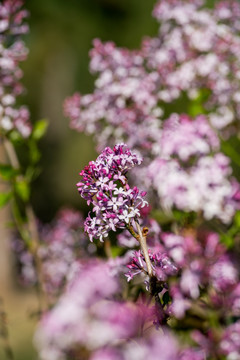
[187,170]
[124,97]
[150,348]
[162,266]
[86,315]
[62,244]
[190,173]
[12,52]
[230,342]
[87,320]
[200,48]
[224,274]
[195,53]
[104,184]
[205,186]
[185,137]
[197,261]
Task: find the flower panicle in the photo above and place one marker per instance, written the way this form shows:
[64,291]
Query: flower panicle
[105,185]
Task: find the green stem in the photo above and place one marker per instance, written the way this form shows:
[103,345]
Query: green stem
[4,332]
[30,234]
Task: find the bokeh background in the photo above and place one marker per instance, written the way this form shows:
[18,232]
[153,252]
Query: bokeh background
[61,34]
[59,41]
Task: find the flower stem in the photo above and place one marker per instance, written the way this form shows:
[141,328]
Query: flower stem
[143,243]
[31,236]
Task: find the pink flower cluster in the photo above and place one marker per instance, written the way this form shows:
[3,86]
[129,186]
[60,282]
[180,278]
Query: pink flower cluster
[124,98]
[161,264]
[195,56]
[186,138]
[198,262]
[198,48]
[87,320]
[62,244]
[104,184]
[190,173]
[12,52]
[89,314]
[193,59]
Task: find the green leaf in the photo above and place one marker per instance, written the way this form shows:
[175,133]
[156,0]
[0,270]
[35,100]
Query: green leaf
[162,217]
[4,198]
[7,172]
[15,137]
[227,240]
[237,219]
[22,189]
[196,109]
[32,173]
[116,251]
[34,153]
[39,129]
[229,150]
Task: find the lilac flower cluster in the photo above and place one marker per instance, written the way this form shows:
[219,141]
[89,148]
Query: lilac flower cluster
[186,168]
[149,348]
[205,187]
[195,53]
[124,98]
[162,266]
[190,173]
[230,345]
[198,262]
[62,244]
[88,312]
[185,138]
[87,320]
[104,184]
[200,49]
[12,52]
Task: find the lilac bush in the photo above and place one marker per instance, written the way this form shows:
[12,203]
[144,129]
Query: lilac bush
[153,270]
